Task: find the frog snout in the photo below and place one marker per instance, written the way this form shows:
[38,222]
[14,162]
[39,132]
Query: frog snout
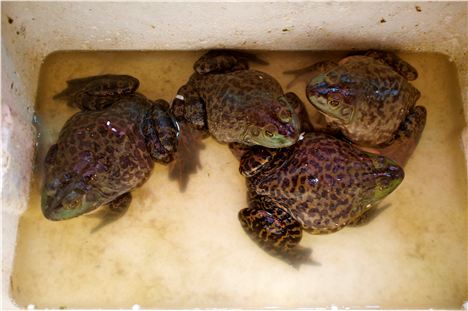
[61,205]
[395,172]
[388,178]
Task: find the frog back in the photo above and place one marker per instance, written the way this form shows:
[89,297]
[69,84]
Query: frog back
[105,149]
[325,183]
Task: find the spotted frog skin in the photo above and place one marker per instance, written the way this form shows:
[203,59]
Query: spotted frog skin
[106,150]
[235,104]
[366,97]
[319,185]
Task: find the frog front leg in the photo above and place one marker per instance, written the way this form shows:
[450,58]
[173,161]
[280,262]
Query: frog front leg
[161,132]
[114,210]
[392,60]
[274,230]
[300,110]
[188,107]
[97,92]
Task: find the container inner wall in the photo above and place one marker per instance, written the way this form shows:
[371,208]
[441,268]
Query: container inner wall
[188,249]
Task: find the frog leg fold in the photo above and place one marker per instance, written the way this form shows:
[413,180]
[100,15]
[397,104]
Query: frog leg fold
[188,107]
[97,92]
[222,61]
[114,210]
[312,70]
[300,110]
[392,60]
[274,230]
[407,136]
[255,160]
[161,132]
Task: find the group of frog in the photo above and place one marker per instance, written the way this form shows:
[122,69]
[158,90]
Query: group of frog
[298,178]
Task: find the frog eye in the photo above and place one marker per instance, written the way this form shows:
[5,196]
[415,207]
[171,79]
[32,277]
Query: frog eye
[270,130]
[334,100]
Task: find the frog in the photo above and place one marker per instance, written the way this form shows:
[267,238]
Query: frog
[366,97]
[319,185]
[235,104]
[107,149]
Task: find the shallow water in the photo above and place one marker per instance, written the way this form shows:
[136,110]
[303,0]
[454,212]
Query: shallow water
[187,250]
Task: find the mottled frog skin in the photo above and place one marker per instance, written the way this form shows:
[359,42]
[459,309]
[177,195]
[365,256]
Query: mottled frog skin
[366,97]
[319,185]
[106,150]
[235,104]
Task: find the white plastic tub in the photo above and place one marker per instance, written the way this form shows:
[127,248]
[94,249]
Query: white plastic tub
[31,31]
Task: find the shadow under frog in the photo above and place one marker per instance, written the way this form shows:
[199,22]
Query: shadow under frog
[107,149]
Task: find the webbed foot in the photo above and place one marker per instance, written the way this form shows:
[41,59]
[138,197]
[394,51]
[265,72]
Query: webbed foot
[114,210]
[276,232]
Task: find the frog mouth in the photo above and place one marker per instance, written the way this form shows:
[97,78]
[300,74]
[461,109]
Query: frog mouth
[62,205]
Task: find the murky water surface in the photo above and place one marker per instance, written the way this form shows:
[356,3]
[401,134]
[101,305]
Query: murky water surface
[175,249]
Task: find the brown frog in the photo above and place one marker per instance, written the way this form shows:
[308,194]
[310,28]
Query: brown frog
[368,98]
[236,104]
[106,150]
[319,185]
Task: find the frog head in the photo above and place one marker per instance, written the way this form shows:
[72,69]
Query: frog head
[273,124]
[386,176]
[71,190]
[335,93]
[61,202]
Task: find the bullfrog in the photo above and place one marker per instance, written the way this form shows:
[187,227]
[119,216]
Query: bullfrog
[366,97]
[318,185]
[236,104]
[107,149]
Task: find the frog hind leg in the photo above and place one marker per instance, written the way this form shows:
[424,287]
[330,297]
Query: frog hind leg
[301,111]
[255,160]
[114,210]
[275,231]
[306,73]
[188,107]
[161,132]
[407,136]
[223,61]
[97,92]
[189,110]
[392,60]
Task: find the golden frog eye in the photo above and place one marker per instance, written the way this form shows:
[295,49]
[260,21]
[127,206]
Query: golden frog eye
[334,100]
[270,130]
